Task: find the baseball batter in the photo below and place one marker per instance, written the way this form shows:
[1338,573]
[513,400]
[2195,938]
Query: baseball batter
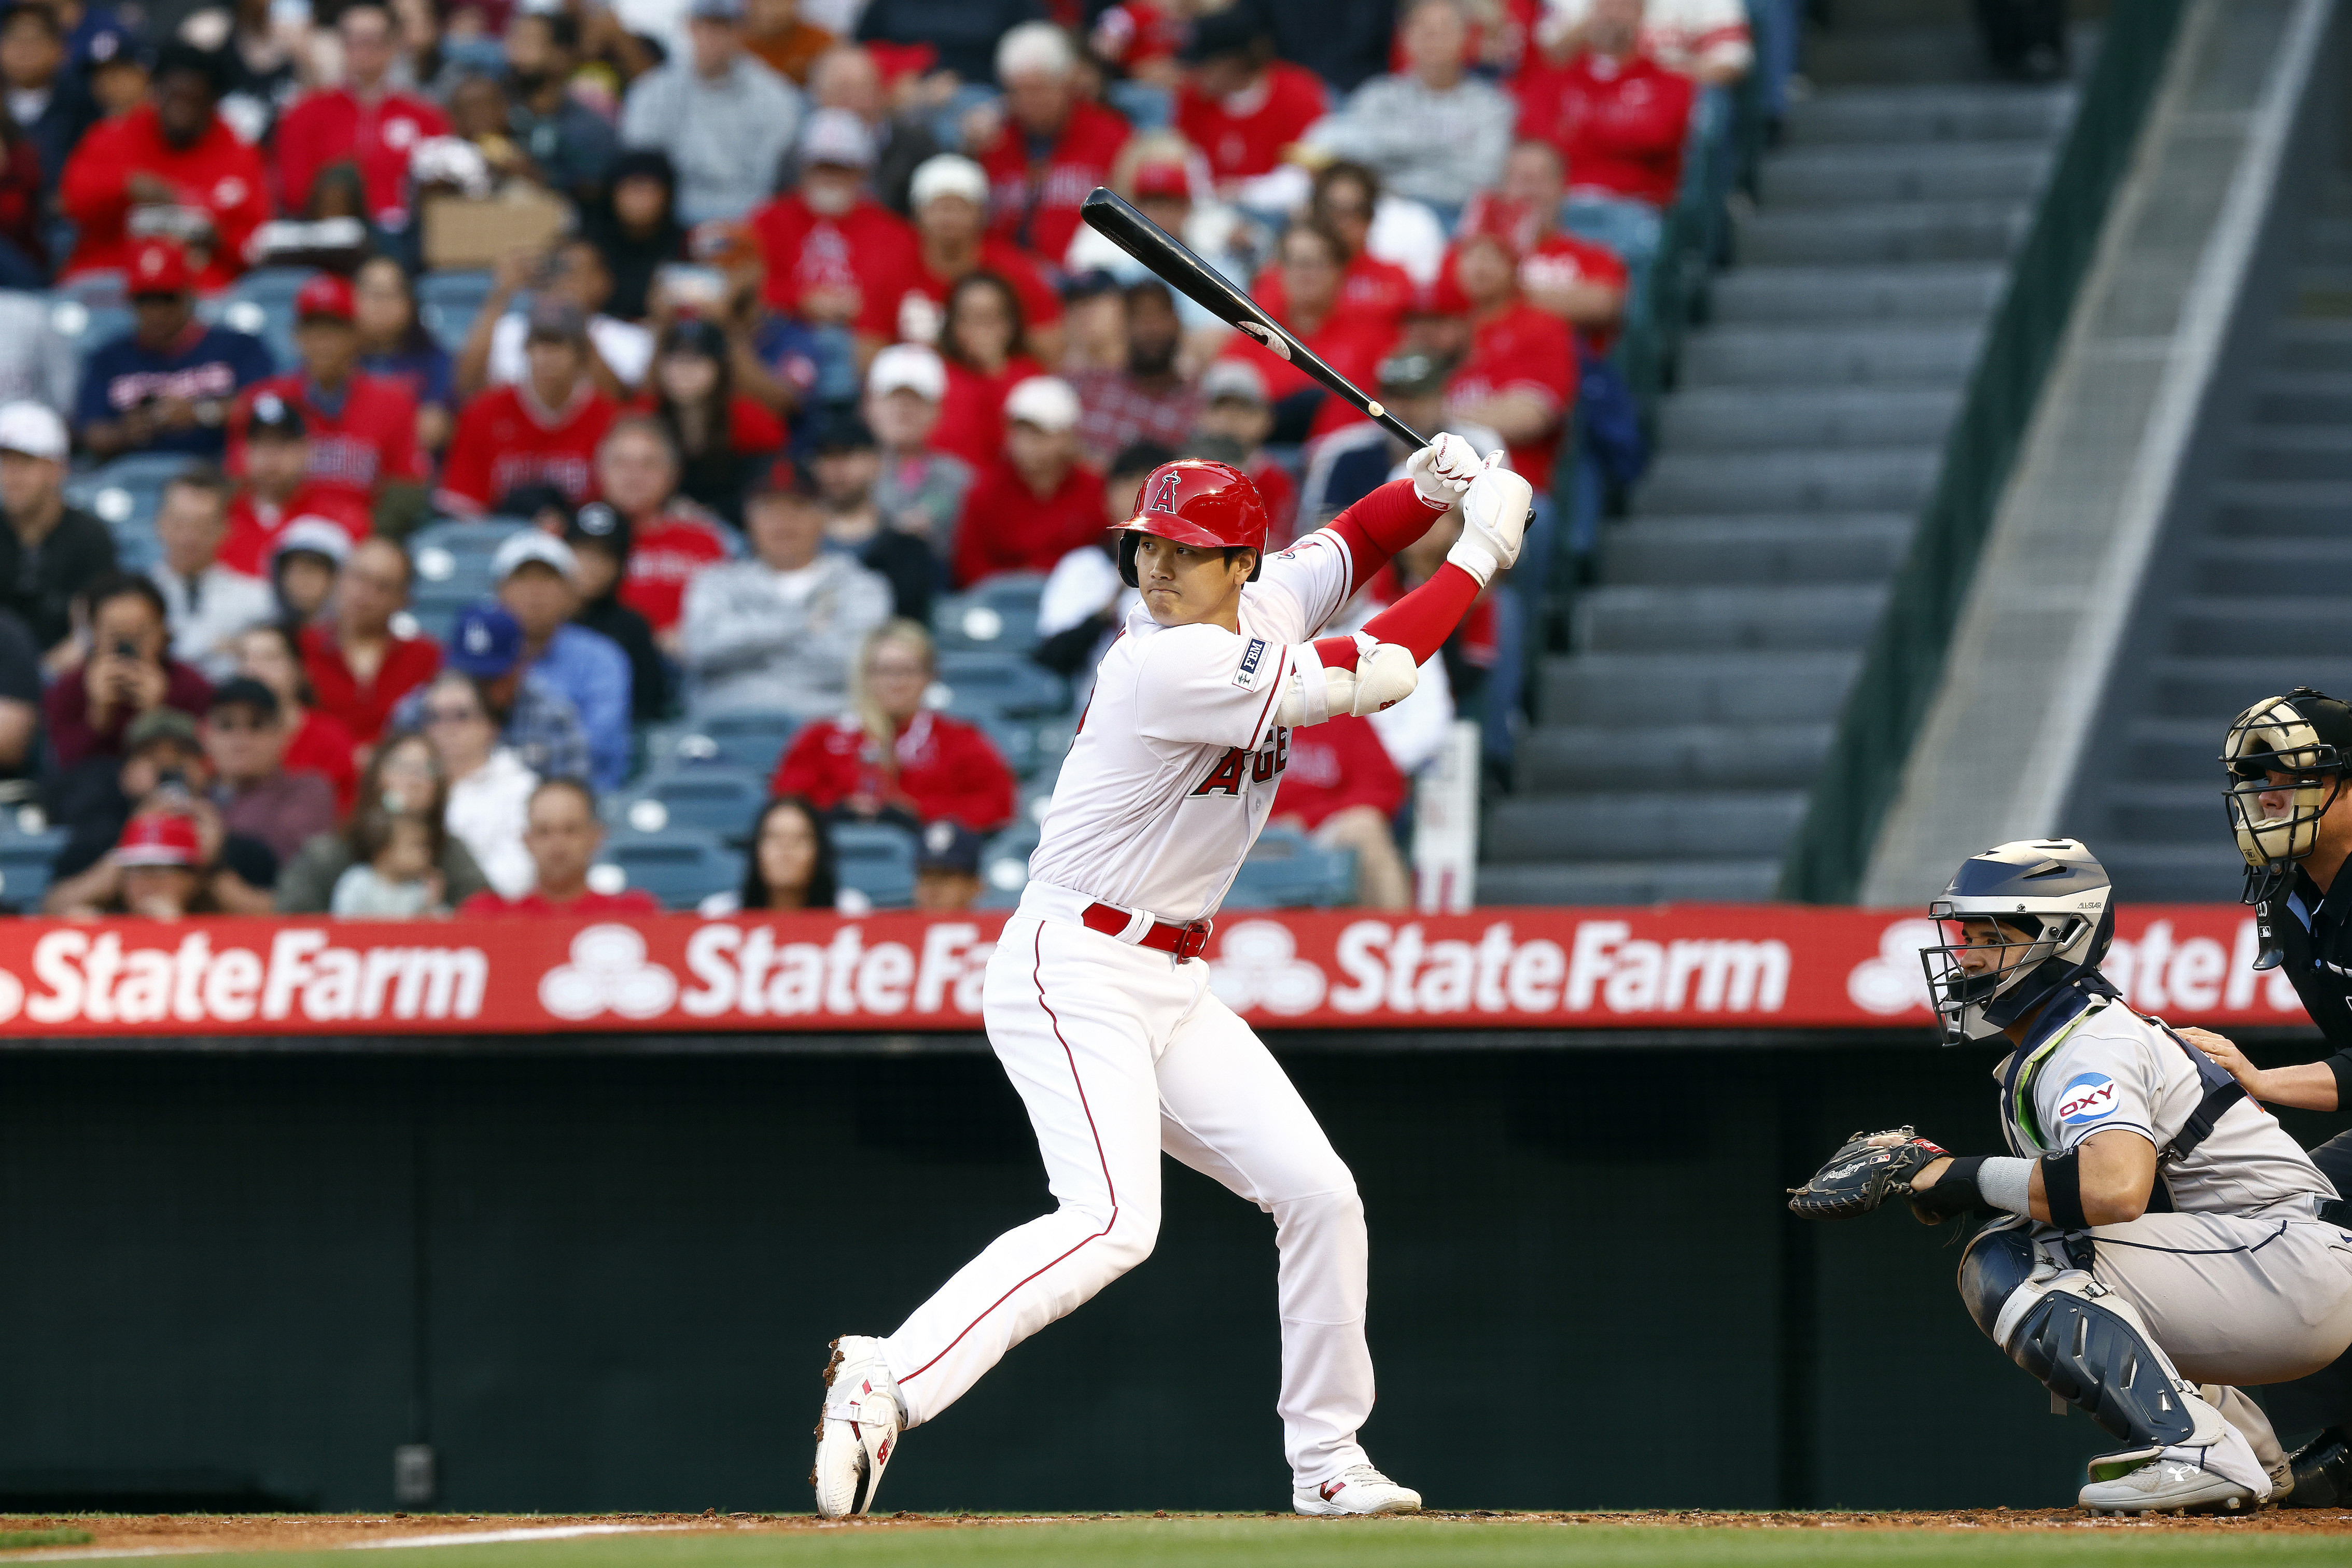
[1096,1001]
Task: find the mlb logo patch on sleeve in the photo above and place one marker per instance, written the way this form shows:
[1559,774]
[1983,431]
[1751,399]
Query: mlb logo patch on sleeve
[2089,1098]
[1252,657]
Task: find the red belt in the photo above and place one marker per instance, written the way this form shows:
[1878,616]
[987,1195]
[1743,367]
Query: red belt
[1162,936]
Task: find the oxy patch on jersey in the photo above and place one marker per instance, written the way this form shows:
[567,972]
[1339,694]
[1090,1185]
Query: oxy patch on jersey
[2091,1096]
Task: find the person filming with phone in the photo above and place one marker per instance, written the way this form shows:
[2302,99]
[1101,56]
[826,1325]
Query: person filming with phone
[127,672]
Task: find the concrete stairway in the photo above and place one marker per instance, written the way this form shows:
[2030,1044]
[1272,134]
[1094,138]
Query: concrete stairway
[1676,745]
[2258,602]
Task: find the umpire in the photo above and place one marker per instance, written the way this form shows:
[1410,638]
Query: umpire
[2290,763]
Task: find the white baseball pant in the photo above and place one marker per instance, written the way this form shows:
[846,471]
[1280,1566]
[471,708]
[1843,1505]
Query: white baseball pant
[1119,1053]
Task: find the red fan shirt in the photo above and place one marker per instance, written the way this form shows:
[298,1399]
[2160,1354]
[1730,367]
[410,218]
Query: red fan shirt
[1620,124]
[972,416]
[1276,488]
[1034,201]
[752,428]
[254,524]
[1368,287]
[365,706]
[323,745]
[946,768]
[1008,526]
[1552,260]
[1243,136]
[867,249]
[357,441]
[216,172]
[1520,348]
[1040,305]
[506,438]
[1348,342]
[1334,765]
[334,127]
[664,557]
[627,901]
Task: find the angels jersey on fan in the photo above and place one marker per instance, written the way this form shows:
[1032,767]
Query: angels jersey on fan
[1178,756]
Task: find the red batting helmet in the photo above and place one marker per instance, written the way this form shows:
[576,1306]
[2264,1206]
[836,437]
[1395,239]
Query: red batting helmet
[1195,501]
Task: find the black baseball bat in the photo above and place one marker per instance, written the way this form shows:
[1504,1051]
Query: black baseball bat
[1172,262]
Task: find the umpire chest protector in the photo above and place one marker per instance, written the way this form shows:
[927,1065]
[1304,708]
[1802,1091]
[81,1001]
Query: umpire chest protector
[2309,935]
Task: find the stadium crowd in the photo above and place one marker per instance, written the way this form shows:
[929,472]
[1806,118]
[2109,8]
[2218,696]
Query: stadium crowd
[513,455]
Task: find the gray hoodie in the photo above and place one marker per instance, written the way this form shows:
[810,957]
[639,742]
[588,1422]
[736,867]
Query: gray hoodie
[758,637]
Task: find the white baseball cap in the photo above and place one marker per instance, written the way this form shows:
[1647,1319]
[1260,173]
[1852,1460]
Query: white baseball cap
[32,429]
[318,535]
[1233,378]
[1046,401]
[948,174]
[526,545]
[908,367]
[838,137]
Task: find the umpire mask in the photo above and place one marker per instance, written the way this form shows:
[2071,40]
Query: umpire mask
[2300,746]
[2054,917]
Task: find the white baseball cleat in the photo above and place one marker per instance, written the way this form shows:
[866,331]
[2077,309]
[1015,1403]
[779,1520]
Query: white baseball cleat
[857,1428]
[2169,1486]
[1358,1489]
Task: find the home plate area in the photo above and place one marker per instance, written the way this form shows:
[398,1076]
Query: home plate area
[1662,1538]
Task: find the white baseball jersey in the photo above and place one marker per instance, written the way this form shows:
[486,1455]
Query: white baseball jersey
[1178,756]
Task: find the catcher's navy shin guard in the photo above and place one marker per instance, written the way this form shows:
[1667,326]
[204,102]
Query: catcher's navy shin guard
[2096,1359]
[1997,1261]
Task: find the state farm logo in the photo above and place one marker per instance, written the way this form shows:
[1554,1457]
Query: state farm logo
[81,978]
[608,972]
[1894,982]
[1257,965]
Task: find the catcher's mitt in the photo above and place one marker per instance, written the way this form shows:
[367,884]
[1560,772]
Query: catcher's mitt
[1866,1171]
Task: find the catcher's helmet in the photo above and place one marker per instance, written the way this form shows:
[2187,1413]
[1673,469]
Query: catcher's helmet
[2307,738]
[2052,890]
[1194,501]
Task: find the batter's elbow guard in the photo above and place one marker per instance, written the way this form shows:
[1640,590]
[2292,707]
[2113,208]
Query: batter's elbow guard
[1385,675]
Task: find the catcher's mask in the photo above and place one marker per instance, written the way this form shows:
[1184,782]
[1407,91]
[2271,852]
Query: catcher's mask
[2054,916]
[2305,739]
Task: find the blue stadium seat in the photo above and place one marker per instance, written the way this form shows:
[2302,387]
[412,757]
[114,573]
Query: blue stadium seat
[447,302]
[681,867]
[86,325]
[752,738]
[271,283]
[436,611]
[877,861]
[125,495]
[1006,683]
[1015,741]
[1005,866]
[1001,614]
[453,557]
[720,801]
[106,287]
[24,861]
[1287,870]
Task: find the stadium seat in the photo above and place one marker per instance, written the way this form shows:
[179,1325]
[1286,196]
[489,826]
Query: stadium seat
[85,326]
[1015,741]
[447,302]
[24,861]
[1288,870]
[106,287]
[1005,866]
[453,556]
[436,610]
[1001,614]
[878,860]
[680,867]
[752,738]
[716,800]
[972,684]
[124,494]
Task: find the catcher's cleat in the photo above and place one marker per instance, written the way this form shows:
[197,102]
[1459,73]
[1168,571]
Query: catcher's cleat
[2168,1486]
[857,1428]
[2323,1472]
[1358,1489]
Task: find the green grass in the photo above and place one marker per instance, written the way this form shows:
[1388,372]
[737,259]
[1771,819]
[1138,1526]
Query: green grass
[1376,1543]
[16,1540]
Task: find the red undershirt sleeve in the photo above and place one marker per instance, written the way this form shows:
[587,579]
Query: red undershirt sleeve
[1380,524]
[1421,621]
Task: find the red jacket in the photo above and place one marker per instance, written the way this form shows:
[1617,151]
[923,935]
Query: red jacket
[664,557]
[323,745]
[947,768]
[1520,348]
[364,709]
[867,249]
[1241,146]
[505,440]
[972,416]
[1620,123]
[254,524]
[1336,764]
[367,438]
[1035,204]
[1368,287]
[1007,528]
[334,127]
[217,172]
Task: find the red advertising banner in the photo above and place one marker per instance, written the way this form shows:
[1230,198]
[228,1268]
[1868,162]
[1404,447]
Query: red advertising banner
[1760,966]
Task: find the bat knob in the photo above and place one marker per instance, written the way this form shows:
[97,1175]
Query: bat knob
[1374,409]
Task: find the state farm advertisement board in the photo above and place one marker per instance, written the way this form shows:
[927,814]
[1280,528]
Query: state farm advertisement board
[1682,967]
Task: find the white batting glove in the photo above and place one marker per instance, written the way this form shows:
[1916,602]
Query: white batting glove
[1494,511]
[1442,470]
